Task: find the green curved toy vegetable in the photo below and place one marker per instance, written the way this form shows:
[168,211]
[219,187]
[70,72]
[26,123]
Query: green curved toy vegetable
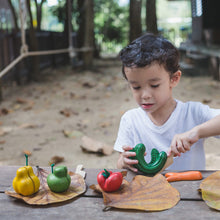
[157,162]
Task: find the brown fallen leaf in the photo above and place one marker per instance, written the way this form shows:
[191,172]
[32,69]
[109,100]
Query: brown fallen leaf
[210,189]
[72,134]
[5,130]
[68,112]
[21,101]
[44,196]
[27,152]
[143,193]
[27,125]
[91,145]
[29,106]
[56,160]
[206,101]
[4,111]
[2,142]
[88,85]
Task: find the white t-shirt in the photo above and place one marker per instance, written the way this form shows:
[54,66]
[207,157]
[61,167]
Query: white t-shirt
[136,127]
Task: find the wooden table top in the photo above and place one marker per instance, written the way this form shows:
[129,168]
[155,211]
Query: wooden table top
[90,204]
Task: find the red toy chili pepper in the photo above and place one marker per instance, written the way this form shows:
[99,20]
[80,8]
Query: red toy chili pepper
[109,181]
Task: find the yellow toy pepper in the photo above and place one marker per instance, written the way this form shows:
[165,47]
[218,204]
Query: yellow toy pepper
[26,182]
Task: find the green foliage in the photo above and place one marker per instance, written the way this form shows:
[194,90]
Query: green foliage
[111,25]
[111,20]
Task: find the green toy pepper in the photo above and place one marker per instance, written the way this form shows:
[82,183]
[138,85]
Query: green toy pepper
[157,162]
[58,180]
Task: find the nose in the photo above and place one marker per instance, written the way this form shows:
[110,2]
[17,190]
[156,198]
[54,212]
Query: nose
[146,94]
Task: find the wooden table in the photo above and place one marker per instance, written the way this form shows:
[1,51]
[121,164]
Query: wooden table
[90,204]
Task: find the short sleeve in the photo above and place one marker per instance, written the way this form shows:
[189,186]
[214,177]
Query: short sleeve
[125,136]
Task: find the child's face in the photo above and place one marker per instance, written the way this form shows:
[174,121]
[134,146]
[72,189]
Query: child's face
[152,87]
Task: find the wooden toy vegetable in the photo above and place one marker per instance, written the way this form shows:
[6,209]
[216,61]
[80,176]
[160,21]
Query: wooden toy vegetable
[26,182]
[188,175]
[157,162]
[109,181]
[58,180]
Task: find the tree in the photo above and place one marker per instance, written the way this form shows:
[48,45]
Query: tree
[33,45]
[86,30]
[151,16]
[14,15]
[135,19]
[39,6]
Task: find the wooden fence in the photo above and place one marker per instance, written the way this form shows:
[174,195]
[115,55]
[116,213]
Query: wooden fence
[10,44]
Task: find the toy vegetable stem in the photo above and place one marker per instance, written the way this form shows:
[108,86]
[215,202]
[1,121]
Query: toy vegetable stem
[106,174]
[26,159]
[52,165]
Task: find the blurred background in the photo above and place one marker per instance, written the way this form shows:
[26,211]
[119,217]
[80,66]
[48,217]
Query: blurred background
[97,29]
[60,76]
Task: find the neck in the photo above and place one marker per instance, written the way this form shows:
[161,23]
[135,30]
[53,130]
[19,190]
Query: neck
[163,114]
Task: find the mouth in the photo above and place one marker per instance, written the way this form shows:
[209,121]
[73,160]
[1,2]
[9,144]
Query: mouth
[147,106]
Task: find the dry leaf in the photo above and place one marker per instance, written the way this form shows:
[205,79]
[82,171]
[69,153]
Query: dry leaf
[5,130]
[27,125]
[4,111]
[21,101]
[44,196]
[206,101]
[72,134]
[88,85]
[91,145]
[210,189]
[68,112]
[27,152]
[56,160]
[143,193]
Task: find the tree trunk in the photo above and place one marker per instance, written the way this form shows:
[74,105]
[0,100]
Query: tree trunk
[86,31]
[39,13]
[135,19]
[14,15]
[33,75]
[151,16]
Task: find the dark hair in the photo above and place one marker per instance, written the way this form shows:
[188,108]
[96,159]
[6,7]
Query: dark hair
[148,49]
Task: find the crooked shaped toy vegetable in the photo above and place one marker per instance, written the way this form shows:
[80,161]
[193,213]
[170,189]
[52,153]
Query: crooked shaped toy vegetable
[157,162]
[109,181]
[188,175]
[58,180]
[26,182]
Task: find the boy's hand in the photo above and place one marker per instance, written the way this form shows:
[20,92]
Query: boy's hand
[124,161]
[183,142]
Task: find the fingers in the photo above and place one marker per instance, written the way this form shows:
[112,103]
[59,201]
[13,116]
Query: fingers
[179,146]
[127,162]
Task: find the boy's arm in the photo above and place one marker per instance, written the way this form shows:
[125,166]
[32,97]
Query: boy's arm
[182,142]
[209,128]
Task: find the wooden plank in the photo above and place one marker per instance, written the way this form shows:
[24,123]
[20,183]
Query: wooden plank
[92,208]
[187,189]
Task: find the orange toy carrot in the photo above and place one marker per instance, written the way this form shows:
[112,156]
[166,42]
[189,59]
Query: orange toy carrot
[188,175]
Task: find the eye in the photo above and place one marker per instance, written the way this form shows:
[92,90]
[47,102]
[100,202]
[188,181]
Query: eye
[155,86]
[136,87]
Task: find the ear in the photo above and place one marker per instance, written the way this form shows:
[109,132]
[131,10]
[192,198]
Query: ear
[175,78]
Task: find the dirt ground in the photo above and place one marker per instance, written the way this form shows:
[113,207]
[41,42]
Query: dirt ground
[50,117]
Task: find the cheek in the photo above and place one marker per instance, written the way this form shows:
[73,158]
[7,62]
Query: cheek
[136,95]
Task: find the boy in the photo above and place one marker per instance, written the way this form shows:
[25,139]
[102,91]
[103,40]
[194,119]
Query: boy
[150,65]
